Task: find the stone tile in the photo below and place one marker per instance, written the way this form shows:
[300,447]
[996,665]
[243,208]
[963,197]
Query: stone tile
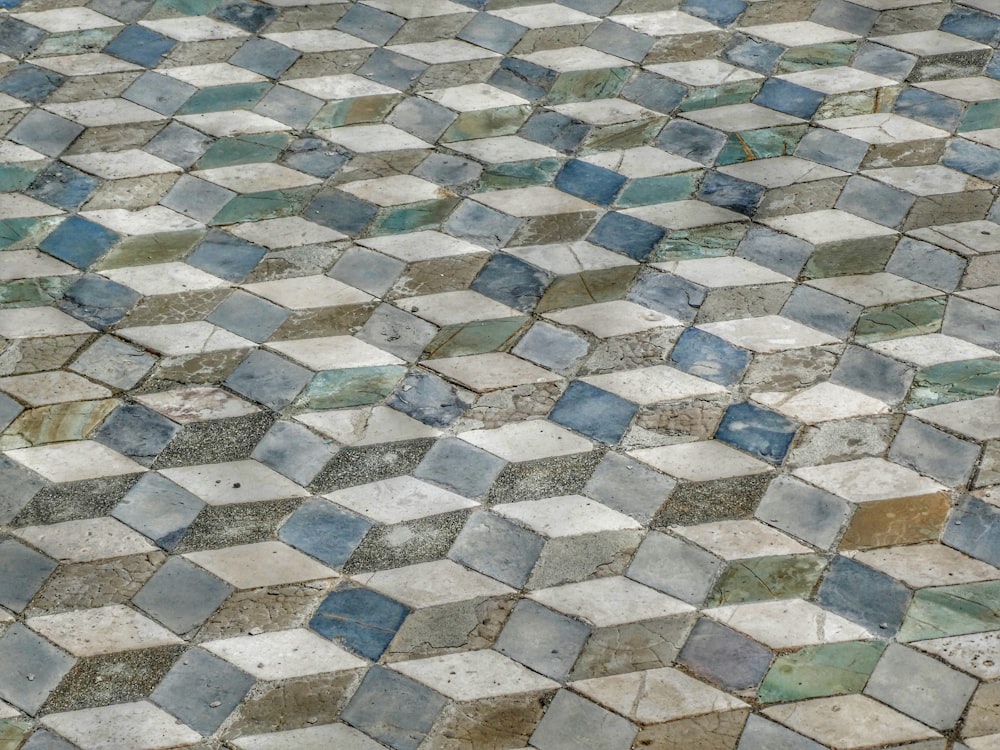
[102,631]
[139,725]
[261,564]
[286,654]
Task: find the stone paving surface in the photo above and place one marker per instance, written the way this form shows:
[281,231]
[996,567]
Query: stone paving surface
[493,374]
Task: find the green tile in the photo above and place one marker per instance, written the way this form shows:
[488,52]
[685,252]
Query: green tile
[623,135]
[981,116]
[952,610]
[77,43]
[356,386]
[765,578]
[147,249]
[269,204]
[818,671]
[587,85]
[224,98]
[848,258]
[897,321]
[702,242]
[13,732]
[477,337]
[763,143]
[816,56]
[34,292]
[14,232]
[519,174]
[954,381]
[247,149]
[588,287]
[414,217]
[186,7]
[721,96]
[647,191]
[488,123]
[362,109]
[14,177]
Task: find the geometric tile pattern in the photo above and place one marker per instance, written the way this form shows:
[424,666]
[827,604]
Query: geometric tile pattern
[499,374]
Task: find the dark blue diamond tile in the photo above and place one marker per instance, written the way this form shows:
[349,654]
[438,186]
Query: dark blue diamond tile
[930,108]
[621,41]
[63,186]
[18,38]
[788,97]
[159,93]
[720,12]
[590,182]
[291,449]
[512,281]
[759,432]
[246,15]
[864,595]
[626,235]
[590,411]
[323,530]
[974,528]
[760,57]
[340,211]
[730,660]
[668,294]
[31,83]
[481,225]
[30,668]
[691,140]
[492,32]
[269,379]
[654,92]
[226,256]
[973,158]
[368,23]
[98,301]
[139,45]
[361,620]
[394,709]
[78,242]
[265,57]
[248,316]
[392,69]
[460,466]
[523,78]
[556,130]
[137,432]
[315,156]
[179,144]
[730,192]
[428,399]
[706,356]
[551,347]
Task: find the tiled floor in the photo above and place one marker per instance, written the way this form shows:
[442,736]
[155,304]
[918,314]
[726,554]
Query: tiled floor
[481,374]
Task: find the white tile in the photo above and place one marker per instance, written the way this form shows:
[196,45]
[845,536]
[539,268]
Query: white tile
[262,564]
[868,480]
[165,278]
[975,653]
[136,726]
[367,425]
[489,372]
[503,149]
[870,290]
[788,623]
[103,630]
[883,128]
[334,353]
[71,462]
[308,292]
[653,385]
[87,64]
[533,201]
[931,349]
[152,220]
[86,540]
[606,112]
[212,74]
[798,33]
[120,165]
[569,257]
[716,273]
[396,190]
[837,79]
[238,122]
[528,440]
[978,418]
[196,403]
[474,675]
[700,461]
[194,29]
[97,112]
[185,339]
[67,19]
[321,737]
[17,206]
[234,482]
[708,72]
[284,654]
[431,584]
[741,539]
[606,602]
[318,40]
[544,16]
[664,23]
[452,308]
[566,516]
[426,245]
[684,214]
[923,565]
[54,387]
[768,334]
[615,318]
[366,139]
[290,231]
[256,178]
[642,161]
[474,97]
[828,225]
[338,87]
[443,51]
[419,8]
[399,499]
[823,402]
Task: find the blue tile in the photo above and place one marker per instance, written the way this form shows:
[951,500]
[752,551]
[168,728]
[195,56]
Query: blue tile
[137,432]
[226,256]
[98,301]
[30,83]
[78,242]
[691,140]
[730,660]
[873,374]
[675,567]
[291,449]
[668,294]
[340,211]
[654,92]
[593,412]
[881,60]
[974,528]
[324,531]
[730,192]
[972,24]
[428,399]
[864,595]
[460,466]
[392,69]
[159,93]
[555,130]
[621,41]
[930,108]
[542,640]
[370,24]
[202,690]
[790,98]
[315,156]
[512,281]
[779,252]
[759,432]
[265,57]
[589,182]
[823,311]
[179,144]
[248,16]
[361,620]
[63,186]
[523,78]
[9,410]
[498,548]
[706,356]
[158,508]
[30,668]
[626,235]
[832,149]
[745,52]
[492,32]
[25,572]
[269,379]
[393,709]
[139,45]
[181,595]
[721,12]
[18,38]
[248,316]
[483,226]
[551,347]
[973,158]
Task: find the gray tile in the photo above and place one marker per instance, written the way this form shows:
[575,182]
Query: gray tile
[543,640]
[30,668]
[675,567]
[573,722]
[202,690]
